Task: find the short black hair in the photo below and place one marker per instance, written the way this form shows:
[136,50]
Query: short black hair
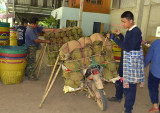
[33,20]
[24,21]
[128,15]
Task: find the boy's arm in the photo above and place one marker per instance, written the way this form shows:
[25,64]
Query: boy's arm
[149,55]
[130,42]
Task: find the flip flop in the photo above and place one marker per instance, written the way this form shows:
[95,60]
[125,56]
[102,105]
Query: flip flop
[155,110]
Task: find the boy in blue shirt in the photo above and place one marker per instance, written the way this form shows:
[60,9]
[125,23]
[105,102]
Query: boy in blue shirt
[153,56]
[21,32]
[131,70]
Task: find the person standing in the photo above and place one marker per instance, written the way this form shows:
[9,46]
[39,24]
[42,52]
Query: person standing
[131,68]
[153,56]
[32,43]
[21,32]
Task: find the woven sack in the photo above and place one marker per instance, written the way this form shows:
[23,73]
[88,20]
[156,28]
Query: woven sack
[69,46]
[85,41]
[97,37]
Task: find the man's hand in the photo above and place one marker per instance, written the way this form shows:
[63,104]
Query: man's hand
[108,35]
[117,31]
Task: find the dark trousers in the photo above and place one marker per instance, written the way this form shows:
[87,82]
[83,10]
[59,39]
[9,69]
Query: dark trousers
[153,86]
[130,95]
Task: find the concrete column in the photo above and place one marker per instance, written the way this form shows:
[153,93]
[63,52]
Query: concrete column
[7,11]
[80,14]
[139,8]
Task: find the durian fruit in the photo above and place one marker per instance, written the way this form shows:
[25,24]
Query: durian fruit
[111,66]
[71,38]
[99,59]
[73,66]
[76,54]
[75,37]
[87,51]
[65,39]
[63,34]
[58,35]
[108,56]
[47,35]
[107,74]
[77,83]
[79,31]
[52,35]
[68,33]
[64,56]
[71,83]
[76,76]
[97,49]
[55,48]
[97,43]
[66,75]
[51,57]
[74,31]
[115,74]
[85,62]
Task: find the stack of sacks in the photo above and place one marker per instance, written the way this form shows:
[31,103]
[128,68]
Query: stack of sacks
[72,74]
[58,38]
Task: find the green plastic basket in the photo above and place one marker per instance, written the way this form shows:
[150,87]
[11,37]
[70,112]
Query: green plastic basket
[13,49]
[2,24]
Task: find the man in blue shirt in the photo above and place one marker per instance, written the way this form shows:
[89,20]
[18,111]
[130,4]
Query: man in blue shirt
[21,32]
[131,70]
[32,43]
[153,56]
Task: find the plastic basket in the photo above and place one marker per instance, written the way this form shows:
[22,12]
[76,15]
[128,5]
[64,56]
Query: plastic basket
[13,42]
[2,24]
[4,42]
[13,55]
[12,71]
[13,49]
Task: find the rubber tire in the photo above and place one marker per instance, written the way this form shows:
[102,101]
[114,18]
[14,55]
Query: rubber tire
[103,100]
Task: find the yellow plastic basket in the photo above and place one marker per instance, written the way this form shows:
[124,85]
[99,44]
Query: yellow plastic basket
[12,71]
[13,41]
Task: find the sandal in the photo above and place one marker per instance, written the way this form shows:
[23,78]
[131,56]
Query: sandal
[154,110]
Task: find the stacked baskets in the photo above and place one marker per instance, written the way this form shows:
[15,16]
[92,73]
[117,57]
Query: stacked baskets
[4,33]
[13,37]
[116,53]
[12,64]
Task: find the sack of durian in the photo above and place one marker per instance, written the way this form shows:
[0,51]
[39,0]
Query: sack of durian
[79,31]
[87,51]
[97,37]
[108,75]
[85,62]
[71,83]
[108,56]
[67,48]
[51,58]
[47,35]
[72,65]
[76,54]
[98,59]
[85,41]
[97,48]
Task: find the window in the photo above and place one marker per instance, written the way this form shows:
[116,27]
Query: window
[93,1]
[88,1]
[99,1]
[71,23]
